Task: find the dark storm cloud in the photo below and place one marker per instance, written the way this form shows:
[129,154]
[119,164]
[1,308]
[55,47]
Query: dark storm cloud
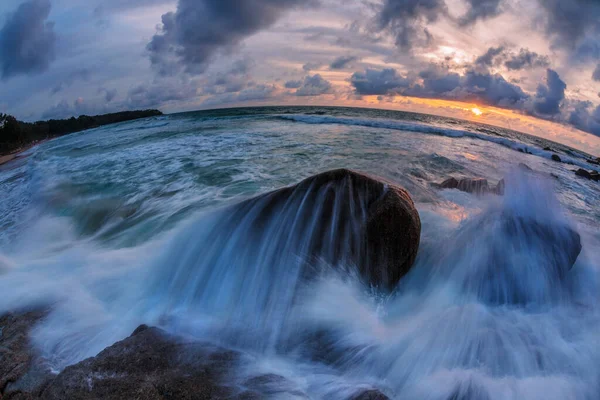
[527,59]
[293,84]
[480,9]
[379,82]
[200,29]
[586,117]
[487,59]
[573,24]
[524,59]
[343,62]
[435,82]
[596,74]
[27,40]
[550,96]
[405,19]
[314,85]
[233,80]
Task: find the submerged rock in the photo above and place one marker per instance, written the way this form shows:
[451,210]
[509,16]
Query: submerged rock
[507,258]
[556,158]
[370,395]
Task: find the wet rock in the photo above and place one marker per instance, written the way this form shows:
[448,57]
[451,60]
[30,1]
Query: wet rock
[474,185]
[340,218]
[525,167]
[153,365]
[556,158]
[450,183]
[478,186]
[512,251]
[22,372]
[274,385]
[591,175]
[372,394]
[500,188]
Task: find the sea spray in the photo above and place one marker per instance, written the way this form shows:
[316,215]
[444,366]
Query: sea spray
[438,336]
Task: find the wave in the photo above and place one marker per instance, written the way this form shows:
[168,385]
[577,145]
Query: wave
[478,316]
[435,130]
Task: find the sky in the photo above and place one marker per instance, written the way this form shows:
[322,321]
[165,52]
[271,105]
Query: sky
[529,65]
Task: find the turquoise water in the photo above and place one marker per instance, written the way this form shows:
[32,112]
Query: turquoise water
[98,223]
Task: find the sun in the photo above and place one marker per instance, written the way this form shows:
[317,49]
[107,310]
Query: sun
[476,111]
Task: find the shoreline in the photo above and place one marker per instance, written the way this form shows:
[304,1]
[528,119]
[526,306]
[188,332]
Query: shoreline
[6,158]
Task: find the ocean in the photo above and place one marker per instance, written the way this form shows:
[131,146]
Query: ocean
[104,224]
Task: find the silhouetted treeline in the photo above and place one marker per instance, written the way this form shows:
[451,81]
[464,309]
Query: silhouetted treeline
[16,134]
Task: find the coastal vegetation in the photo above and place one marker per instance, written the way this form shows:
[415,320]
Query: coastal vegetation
[15,134]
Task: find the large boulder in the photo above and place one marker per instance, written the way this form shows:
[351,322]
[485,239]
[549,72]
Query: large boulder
[357,220]
[336,220]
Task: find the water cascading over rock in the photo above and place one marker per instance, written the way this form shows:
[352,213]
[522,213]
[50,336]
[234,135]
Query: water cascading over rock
[249,259]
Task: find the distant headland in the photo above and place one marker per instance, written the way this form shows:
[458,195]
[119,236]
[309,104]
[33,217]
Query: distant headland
[16,135]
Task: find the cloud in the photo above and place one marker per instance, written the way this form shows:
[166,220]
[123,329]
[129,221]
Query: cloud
[314,85]
[233,80]
[343,62]
[379,82]
[550,96]
[585,117]
[293,84]
[480,9]
[573,24]
[191,37]
[527,59]
[435,82]
[524,59]
[405,20]
[27,40]
[487,59]
[109,94]
[311,66]
[156,94]
[83,74]
[596,74]
[259,92]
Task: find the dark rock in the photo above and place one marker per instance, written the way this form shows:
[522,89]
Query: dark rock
[583,173]
[556,158]
[370,395]
[547,149]
[500,187]
[341,219]
[22,371]
[512,252]
[595,176]
[450,183]
[525,167]
[153,365]
[474,185]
